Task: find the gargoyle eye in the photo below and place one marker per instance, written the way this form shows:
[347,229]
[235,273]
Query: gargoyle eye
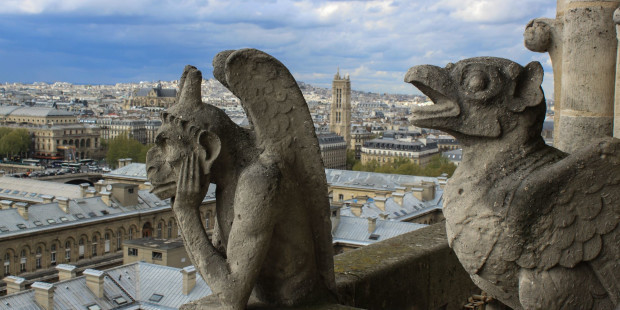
[476,81]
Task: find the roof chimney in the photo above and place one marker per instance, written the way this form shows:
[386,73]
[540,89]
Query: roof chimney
[398,198]
[63,203]
[99,186]
[14,284]
[47,198]
[66,272]
[6,204]
[94,281]
[44,294]
[105,197]
[380,203]
[372,224]
[22,209]
[90,193]
[189,279]
[356,208]
[84,187]
[400,189]
[147,186]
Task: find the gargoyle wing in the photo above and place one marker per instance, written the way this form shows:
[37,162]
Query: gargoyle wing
[284,129]
[578,201]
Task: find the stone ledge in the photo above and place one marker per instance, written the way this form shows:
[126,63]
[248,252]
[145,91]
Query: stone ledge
[416,270]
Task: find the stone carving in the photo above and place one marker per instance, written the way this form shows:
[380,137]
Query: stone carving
[535,227]
[272,233]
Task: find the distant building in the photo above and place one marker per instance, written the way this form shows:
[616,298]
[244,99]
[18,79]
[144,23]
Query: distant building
[333,150]
[340,117]
[153,97]
[56,134]
[138,285]
[386,151]
[454,156]
[165,252]
[141,130]
[359,135]
[445,142]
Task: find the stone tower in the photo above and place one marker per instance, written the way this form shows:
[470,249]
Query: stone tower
[340,118]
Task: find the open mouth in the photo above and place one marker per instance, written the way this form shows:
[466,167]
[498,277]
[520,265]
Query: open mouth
[434,83]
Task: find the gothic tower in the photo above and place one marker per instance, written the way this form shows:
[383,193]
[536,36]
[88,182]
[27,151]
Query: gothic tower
[340,118]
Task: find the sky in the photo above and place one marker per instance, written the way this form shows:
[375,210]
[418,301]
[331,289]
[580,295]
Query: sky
[375,42]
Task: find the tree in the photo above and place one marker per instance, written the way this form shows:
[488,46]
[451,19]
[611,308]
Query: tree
[436,166]
[351,161]
[14,141]
[125,147]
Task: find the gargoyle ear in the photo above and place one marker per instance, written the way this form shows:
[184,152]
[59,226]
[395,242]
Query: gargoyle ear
[212,145]
[527,92]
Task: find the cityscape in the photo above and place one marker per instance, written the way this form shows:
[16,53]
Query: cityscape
[83,227]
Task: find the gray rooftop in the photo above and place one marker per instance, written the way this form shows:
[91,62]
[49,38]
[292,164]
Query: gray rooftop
[354,230]
[32,190]
[32,111]
[135,283]
[372,180]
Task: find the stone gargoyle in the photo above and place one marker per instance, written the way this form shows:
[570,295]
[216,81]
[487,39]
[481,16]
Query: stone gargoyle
[535,227]
[271,239]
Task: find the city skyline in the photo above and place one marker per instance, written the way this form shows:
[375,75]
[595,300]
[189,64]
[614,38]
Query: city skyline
[375,42]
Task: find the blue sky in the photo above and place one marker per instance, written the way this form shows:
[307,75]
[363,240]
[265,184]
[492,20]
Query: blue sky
[110,41]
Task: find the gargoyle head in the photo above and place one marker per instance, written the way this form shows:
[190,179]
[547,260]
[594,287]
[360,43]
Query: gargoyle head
[183,131]
[481,97]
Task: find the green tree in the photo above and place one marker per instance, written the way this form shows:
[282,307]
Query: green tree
[351,161]
[436,166]
[14,141]
[125,147]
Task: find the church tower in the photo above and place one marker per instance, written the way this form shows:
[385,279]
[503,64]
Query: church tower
[340,118]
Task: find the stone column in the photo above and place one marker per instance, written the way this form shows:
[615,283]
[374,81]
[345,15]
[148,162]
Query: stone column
[587,63]
[617,94]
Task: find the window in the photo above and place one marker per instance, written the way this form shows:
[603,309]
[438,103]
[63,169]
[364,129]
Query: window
[130,237]
[341,197]
[120,300]
[23,261]
[53,254]
[132,252]
[157,255]
[170,229]
[81,248]
[156,297]
[68,251]
[106,245]
[93,307]
[38,258]
[159,227]
[7,264]
[94,246]
[119,235]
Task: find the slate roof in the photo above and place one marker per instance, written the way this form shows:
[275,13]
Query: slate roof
[135,283]
[371,180]
[27,187]
[161,92]
[354,230]
[32,111]
[410,208]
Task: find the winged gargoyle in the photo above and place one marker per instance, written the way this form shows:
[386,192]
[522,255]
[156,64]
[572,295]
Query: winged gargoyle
[272,232]
[535,227]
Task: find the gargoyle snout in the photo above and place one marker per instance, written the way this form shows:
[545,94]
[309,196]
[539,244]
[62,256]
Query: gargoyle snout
[433,81]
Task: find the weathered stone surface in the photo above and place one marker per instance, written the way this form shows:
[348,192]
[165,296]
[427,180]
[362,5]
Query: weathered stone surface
[272,233]
[416,270]
[582,45]
[534,227]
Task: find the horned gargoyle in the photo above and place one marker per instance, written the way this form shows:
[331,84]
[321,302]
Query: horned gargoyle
[272,236]
[534,227]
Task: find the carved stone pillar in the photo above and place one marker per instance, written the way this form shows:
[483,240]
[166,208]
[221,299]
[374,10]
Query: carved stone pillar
[617,95]
[583,48]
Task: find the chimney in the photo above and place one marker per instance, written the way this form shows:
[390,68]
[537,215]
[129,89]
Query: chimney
[398,198]
[428,191]
[372,224]
[189,279]
[126,194]
[94,281]
[121,162]
[99,186]
[66,272]
[6,204]
[14,284]
[84,187]
[90,193]
[417,193]
[63,203]
[400,189]
[383,216]
[380,203]
[356,208]
[335,216]
[44,294]
[105,197]
[147,186]
[22,209]
[47,198]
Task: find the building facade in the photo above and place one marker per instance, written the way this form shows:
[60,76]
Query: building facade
[333,150]
[340,116]
[359,135]
[153,97]
[386,151]
[141,130]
